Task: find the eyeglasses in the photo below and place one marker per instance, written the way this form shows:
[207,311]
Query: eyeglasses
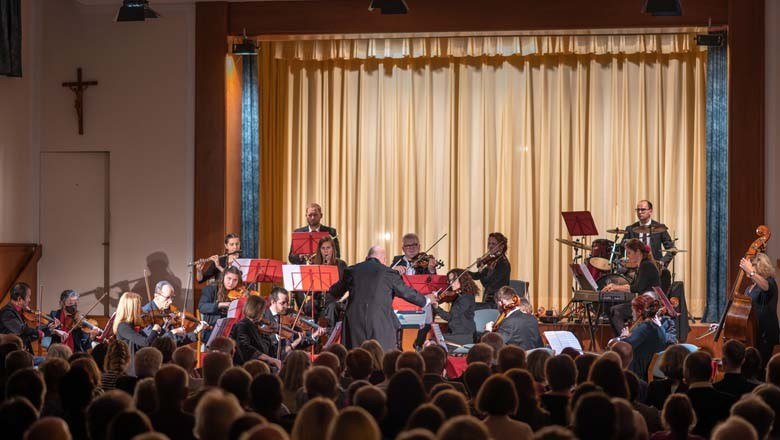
[411,245]
[642,209]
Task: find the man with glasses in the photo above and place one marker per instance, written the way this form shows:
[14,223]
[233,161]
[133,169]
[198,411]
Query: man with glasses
[405,264]
[644,213]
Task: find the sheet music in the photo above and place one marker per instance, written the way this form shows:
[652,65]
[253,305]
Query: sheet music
[291,275]
[439,336]
[561,339]
[242,264]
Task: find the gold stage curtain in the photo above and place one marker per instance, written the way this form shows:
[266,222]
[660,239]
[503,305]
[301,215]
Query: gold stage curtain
[434,143]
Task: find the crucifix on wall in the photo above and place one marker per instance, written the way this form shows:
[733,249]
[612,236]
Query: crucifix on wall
[78,88]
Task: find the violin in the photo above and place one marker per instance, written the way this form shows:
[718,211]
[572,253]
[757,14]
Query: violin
[448,295]
[674,302]
[422,261]
[179,318]
[87,323]
[268,327]
[33,318]
[505,309]
[241,292]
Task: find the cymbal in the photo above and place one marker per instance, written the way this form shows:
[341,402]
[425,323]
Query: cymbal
[574,244]
[617,231]
[674,249]
[647,230]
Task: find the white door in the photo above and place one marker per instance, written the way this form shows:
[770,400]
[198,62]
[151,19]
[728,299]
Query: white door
[74,227]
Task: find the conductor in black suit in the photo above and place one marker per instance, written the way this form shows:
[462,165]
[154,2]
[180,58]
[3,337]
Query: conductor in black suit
[313,217]
[644,213]
[369,314]
[515,325]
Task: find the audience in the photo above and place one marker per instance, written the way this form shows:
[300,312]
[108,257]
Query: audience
[528,408]
[734,428]
[497,399]
[373,400]
[678,419]
[510,356]
[427,416]
[103,409]
[215,412]
[295,366]
[756,412]
[435,359]
[48,428]
[710,405]
[353,423]
[480,352]
[733,381]
[536,360]
[316,414]
[405,393]
[561,374]
[171,384]
[594,417]
[463,428]
[671,365]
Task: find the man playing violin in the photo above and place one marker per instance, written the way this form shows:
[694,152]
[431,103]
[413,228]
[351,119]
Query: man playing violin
[214,301]
[493,269]
[278,307]
[11,321]
[161,303]
[220,263]
[79,338]
[513,324]
[313,218]
[250,342]
[409,263]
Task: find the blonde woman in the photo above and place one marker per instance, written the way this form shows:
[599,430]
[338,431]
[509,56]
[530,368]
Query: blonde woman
[127,325]
[763,292]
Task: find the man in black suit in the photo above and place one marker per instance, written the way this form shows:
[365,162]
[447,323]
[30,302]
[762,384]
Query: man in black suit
[404,263]
[644,213]
[279,303]
[313,217]
[518,327]
[250,343]
[11,321]
[733,381]
[435,360]
[710,405]
[372,286]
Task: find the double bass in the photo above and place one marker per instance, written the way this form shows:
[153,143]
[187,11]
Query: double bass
[738,320]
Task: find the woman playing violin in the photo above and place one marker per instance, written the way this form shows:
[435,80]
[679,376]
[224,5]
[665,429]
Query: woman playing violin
[80,338]
[326,254]
[128,323]
[460,318]
[763,295]
[214,301]
[493,268]
[251,343]
[645,336]
[218,264]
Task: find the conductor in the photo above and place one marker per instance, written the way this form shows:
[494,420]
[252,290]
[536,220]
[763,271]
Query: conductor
[372,286]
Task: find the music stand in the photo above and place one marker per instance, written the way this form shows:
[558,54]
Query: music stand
[259,270]
[426,284]
[309,278]
[579,223]
[305,243]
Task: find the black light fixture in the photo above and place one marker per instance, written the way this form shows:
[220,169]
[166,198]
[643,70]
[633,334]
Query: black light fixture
[135,10]
[245,47]
[712,39]
[389,6]
[663,7]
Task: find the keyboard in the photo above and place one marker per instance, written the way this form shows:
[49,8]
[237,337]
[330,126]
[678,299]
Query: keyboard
[595,296]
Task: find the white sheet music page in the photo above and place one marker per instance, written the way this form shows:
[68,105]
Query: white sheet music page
[561,339]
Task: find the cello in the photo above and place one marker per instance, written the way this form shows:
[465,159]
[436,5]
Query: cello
[738,318]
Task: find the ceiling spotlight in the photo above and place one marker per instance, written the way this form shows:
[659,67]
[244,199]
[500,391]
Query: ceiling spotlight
[245,47]
[389,6]
[663,7]
[135,10]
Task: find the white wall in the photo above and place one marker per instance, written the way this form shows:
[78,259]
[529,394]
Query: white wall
[142,112]
[772,122]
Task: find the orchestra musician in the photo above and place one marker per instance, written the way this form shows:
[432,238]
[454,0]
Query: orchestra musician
[161,303]
[80,338]
[313,218]
[128,322]
[218,264]
[279,300]
[250,342]
[515,323]
[11,320]
[369,314]
[460,317]
[494,271]
[647,277]
[644,214]
[326,254]
[645,335]
[406,264]
[763,294]
[214,301]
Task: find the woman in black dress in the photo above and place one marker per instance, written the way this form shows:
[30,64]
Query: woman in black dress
[763,293]
[647,277]
[645,336]
[460,318]
[218,264]
[331,308]
[494,269]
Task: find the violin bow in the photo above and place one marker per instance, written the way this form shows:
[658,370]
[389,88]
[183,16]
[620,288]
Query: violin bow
[148,293]
[424,252]
[84,315]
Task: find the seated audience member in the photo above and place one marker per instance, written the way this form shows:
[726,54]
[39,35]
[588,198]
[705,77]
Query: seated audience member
[48,428]
[651,415]
[186,358]
[536,360]
[439,387]
[266,398]
[495,341]
[319,382]
[145,396]
[583,363]
[435,360]
[756,412]
[630,424]
[256,368]
[166,346]
[373,400]
[359,366]
[388,367]
[128,424]
[17,360]
[314,418]
[416,434]
[267,431]
[671,365]
[411,360]
[147,361]
[510,356]
[561,374]
[607,373]
[427,416]
[16,415]
[352,389]
[594,417]
[752,367]
[236,381]
[451,403]
[340,352]
[405,392]
[554,433]
[115,364]
[378,353]
[331,361]
[214,364]
[353,423]
[243,424]
[214,414]
[53,370]
[103,409]
[171,383]
[734,428]
[61,351]
[29,384]
[678,419]
[463,427]
[773,370]
[528,408]
[474,376]
[295,366]
[480,352]
[579,391]
[498,400]
[77,391]
[733,381]
[770,394]
[710,405]
[223,344]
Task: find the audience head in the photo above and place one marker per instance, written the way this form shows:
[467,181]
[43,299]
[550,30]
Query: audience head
[266,392]
[624,351]
[772,370]
[295,365]
[359,364]
[147,361]
[171,383]
[405,392]
[224,345]
[321,382]
[463,428]
[16,415]
[117,357]
[438,388]
[451,403]
[583,363]
[427,416]
[256,367]
[353,388]
[214,364]
[434,358]
[561,373]
[186,358]
[354,423]
[341,353]
[313,417]
[61,351]
[770,394]
[330,361]
[536,360]
[511,356]
[98,354]
[554,432]
[377,352]
[497,397]
[236,381]
[752,365]
[698,367]
[103,409]
[524,386]
[17,360]
[581,390]
[128,424]
[373,400]
[48,428]
[245,423]
[145,396]
[411,360]
[416,434]
[594,417]
[214,414]
[734,427]
[626,423]
[474,376]
[88,364]
[733,355]
[607,373]
[53,370]
[29,384]
[756,412]
[76,390]
[632,385]
[495,341]
[166,346]
[672,361]
[480,352]
[677,415]
[388,363]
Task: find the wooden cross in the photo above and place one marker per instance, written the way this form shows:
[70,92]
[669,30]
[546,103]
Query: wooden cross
[78,88]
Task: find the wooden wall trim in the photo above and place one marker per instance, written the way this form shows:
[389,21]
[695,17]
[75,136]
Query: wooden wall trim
[19,263]
[211,31]
[746,127]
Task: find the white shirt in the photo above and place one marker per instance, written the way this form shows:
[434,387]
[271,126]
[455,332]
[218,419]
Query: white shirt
[645,237]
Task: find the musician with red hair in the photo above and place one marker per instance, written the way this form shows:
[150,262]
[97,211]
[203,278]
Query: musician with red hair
[645,336]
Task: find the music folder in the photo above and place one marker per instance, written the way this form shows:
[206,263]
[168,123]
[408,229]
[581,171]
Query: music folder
[583,276]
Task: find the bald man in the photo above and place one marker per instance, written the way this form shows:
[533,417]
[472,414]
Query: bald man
[48,428]
[372,286]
